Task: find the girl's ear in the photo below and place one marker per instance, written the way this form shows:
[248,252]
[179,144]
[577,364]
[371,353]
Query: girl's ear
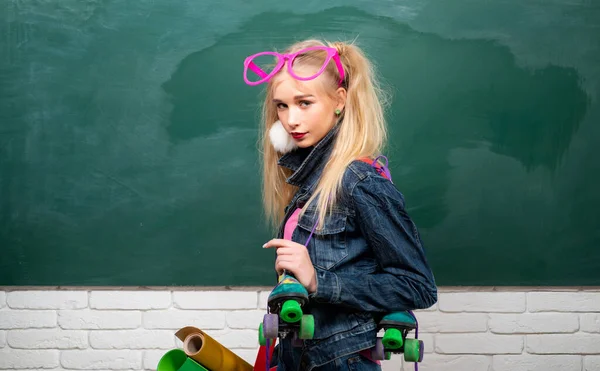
[341,94]
[280,139]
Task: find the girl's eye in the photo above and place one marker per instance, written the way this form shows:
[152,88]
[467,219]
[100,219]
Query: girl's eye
[305,103]
[281,106]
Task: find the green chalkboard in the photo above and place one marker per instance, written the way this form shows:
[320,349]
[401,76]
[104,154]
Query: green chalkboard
[128,139]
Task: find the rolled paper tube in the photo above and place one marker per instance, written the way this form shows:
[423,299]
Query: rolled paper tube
[177,360]
[208,352]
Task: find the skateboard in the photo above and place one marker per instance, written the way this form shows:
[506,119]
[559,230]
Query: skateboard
[284,314]
[397,325]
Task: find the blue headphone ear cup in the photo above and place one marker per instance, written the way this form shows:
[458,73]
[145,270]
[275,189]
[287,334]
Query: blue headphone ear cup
[281,140]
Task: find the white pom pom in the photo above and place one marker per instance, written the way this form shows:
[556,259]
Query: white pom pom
[281,140]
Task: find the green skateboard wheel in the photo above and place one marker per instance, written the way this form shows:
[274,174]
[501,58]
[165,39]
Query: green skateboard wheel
[388,356]
[261,335]
[291,311]
[413,350]
[307,327]
[392,339]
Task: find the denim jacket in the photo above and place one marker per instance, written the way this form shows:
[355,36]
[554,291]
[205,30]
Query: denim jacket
[368,257]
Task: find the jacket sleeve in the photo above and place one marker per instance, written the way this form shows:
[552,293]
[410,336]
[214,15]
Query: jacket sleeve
[403,280]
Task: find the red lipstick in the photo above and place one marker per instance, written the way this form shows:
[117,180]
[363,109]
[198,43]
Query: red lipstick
[298,135]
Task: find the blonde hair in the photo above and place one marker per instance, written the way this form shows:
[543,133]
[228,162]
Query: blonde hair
[362,130]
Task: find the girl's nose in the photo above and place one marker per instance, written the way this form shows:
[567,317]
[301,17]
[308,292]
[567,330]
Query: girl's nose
[293,119]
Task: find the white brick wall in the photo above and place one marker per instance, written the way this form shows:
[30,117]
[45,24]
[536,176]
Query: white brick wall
[471,329]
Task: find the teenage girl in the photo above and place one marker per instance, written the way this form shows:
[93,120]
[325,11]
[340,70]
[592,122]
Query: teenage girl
[344,231]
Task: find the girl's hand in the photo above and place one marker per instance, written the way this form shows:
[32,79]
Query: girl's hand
[294,258]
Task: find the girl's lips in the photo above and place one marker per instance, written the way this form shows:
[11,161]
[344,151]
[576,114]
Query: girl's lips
[298,135]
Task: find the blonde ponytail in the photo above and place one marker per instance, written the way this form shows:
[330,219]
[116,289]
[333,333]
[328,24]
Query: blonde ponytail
[362,132]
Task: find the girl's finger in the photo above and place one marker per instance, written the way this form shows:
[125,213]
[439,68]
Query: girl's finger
[286,260]
[286,251]
[288,266]
[279,268]
[283,260]
[276,242]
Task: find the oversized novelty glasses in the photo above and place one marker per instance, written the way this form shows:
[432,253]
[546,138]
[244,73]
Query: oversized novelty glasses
[261,64]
